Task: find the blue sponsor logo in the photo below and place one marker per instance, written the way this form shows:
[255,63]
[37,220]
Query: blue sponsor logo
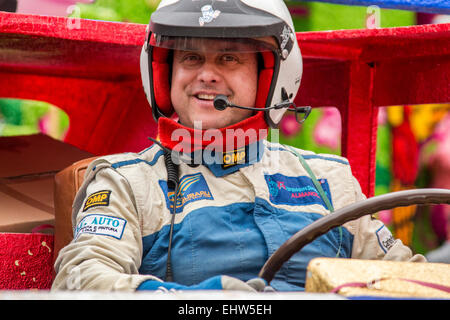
[296,191]
[193,187]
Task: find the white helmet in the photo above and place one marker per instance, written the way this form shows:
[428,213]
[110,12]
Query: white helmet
[245,22]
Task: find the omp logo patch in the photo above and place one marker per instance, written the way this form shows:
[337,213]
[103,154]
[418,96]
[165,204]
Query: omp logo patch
[193,187]
[233,157]
[295,190]
[101,225]
[100,198]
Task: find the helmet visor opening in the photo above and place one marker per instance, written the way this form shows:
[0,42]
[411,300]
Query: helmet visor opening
[212,44]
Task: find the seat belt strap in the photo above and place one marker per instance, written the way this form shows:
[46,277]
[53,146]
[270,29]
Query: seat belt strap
[319,188]
[311,174]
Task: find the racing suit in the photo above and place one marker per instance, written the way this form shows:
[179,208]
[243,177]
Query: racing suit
[230,218]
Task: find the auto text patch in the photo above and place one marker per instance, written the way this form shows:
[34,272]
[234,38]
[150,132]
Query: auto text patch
[101,225]
[295,190]
[193,187]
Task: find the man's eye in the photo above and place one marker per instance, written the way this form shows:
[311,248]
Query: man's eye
[191,59]
[229,59]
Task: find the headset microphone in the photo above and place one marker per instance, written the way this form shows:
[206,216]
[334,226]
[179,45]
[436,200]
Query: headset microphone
[221,103]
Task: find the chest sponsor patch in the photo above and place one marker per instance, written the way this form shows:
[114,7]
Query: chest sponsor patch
[193,187]
[295,191]
[101,225]
[97,199]
[385,238]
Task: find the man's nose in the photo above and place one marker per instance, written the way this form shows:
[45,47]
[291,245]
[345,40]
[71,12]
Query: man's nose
[209,73]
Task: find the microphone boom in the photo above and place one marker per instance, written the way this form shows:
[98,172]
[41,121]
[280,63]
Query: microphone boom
[221,103]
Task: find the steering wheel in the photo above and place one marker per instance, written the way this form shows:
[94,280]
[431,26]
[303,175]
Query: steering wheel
[345,214]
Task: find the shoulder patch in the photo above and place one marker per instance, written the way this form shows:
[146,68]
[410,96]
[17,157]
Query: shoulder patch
[101,225]
[97,199]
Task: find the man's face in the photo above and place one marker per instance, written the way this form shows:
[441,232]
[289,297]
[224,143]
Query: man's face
[198,76]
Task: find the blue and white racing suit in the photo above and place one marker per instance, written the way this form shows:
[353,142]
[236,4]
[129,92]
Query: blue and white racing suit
[229,219]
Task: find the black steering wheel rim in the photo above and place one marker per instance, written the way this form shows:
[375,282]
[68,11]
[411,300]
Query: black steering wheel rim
[351,212]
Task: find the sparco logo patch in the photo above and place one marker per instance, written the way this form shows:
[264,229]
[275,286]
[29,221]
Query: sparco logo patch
[100,198]
[295,190]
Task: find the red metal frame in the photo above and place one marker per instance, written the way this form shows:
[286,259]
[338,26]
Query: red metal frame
[92,72]
[358,71]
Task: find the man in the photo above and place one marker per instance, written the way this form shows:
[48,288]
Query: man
[208,203]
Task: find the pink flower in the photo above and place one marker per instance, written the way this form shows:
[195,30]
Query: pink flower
[328,128]
[289,125]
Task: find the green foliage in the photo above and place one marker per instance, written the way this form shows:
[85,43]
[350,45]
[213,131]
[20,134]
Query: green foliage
[424,238]
[326,16]
[383,174]
[22,117]
[10,111]
[137,11]
[329,16]
[304,138]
